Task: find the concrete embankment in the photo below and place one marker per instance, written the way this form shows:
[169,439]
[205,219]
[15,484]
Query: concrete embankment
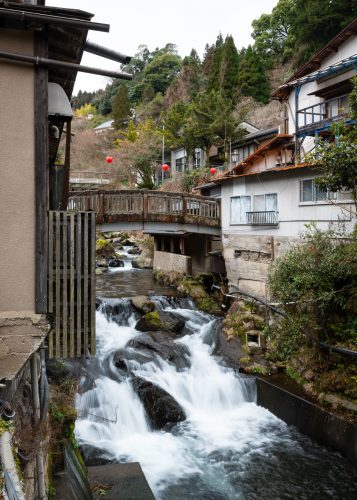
[312,420]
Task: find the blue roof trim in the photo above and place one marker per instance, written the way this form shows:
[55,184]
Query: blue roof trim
[349,62]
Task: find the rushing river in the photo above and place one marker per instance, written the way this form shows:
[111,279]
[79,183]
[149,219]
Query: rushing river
[227,448]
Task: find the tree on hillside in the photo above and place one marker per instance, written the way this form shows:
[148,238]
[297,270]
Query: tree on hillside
[215,69]
[229,69]
[121,107]
[252,77]
[138,151]
[159,74]
[272,32]
[296,29]
[205,121]
[207,59]
[317,22]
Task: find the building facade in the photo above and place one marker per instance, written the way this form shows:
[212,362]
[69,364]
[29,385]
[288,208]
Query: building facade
[268,198]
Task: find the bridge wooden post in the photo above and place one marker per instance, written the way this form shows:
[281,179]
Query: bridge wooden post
[145,205]
[184,206]
[101,213]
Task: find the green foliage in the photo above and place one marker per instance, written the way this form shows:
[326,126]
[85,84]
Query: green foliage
[252,77]
[139,152]
[317,280]
[298,28]
[121,107]
[224,68]
[206,120]
[338,159]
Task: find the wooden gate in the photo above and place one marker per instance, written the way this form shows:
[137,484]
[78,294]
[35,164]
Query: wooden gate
[71,283]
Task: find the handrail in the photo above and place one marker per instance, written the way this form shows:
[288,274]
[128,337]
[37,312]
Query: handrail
[145,205]
[329,109]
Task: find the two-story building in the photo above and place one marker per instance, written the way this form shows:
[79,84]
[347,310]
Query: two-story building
[47,255]
[269,196]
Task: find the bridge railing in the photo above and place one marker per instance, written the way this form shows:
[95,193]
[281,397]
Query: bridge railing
[113,206]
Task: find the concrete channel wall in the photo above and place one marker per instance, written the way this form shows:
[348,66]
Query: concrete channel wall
[310,419]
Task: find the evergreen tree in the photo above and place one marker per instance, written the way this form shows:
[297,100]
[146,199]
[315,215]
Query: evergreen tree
[252,77]
[207,59]
[229,69]
[121,107]
[215,70]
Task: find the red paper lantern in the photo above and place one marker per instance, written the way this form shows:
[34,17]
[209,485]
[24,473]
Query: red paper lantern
[109,159]
[213,170]
[165,167]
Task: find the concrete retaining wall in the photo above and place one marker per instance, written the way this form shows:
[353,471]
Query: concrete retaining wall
[319,424]
[248,259]
[165,261]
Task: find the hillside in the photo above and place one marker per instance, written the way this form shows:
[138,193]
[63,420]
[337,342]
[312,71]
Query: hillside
[201,102]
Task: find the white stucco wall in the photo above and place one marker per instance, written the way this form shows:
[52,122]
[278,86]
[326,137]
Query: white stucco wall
[293,215]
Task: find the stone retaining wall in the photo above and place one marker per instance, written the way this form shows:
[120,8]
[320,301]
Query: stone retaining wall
[165,261]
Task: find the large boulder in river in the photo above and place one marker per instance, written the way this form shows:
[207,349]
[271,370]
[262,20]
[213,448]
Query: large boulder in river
[116,263]
[145,259]
[160,321]
[158,344]
[104,249]
[143,304]
[161,408]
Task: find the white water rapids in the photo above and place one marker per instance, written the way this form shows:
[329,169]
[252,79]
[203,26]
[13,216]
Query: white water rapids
[227,448]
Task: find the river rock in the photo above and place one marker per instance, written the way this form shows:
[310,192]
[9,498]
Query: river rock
[143,304]
[145,259]
[134,251]
[128,243]
[122,358]
[157,344]
[102,263]
[230,348]
[116,263]
[160,321]
[161,408]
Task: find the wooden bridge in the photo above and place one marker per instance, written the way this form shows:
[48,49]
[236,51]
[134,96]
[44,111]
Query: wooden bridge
[149,211]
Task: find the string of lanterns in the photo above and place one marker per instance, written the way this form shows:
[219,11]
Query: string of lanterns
[165,167]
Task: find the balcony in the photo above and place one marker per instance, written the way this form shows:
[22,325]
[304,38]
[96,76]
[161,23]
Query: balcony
[267,218]
[319,116]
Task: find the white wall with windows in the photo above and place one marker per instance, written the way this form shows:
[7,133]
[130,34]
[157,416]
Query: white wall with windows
[293,196]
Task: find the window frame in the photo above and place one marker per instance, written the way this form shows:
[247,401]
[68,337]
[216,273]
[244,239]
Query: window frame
[251,196]
[331,196]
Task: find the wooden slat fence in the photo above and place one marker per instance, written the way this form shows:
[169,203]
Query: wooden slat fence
[71,283]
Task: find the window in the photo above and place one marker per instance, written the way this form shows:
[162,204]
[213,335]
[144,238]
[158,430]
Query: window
[257,203]
[180,164]
[197,163]
[310,192]
[240,205]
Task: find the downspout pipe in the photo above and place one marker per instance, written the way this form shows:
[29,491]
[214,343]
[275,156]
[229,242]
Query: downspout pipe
[54,63]
[41,486]
[99,50]
[13,486]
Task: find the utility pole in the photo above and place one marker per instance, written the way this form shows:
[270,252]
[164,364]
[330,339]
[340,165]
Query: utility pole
[163,152]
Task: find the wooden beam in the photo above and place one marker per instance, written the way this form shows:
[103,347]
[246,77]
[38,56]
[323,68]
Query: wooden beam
[41,174]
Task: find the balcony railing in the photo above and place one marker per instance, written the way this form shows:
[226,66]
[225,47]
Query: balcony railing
[268,218]
[325,111]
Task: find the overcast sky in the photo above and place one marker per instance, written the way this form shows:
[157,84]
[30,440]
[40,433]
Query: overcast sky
[186,23]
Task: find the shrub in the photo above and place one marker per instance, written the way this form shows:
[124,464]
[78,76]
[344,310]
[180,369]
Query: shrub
[316,280]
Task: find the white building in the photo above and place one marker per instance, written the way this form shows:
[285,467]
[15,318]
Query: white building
[269,197]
